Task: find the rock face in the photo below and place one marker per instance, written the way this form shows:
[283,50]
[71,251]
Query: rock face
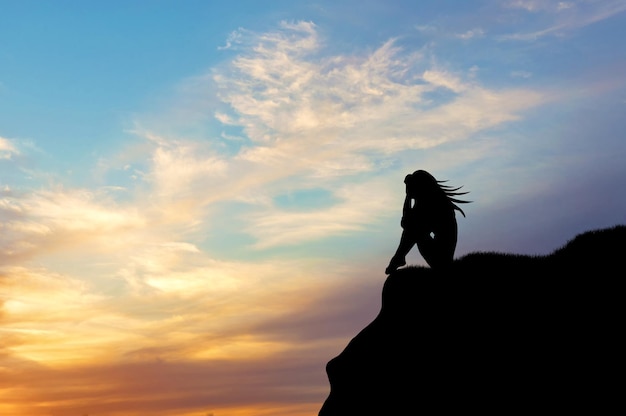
[496,334]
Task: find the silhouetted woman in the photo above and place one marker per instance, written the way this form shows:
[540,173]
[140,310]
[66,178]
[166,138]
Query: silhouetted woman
[428,220]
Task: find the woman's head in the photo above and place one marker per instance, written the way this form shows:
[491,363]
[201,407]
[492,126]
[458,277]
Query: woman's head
[420,182]
[422,185]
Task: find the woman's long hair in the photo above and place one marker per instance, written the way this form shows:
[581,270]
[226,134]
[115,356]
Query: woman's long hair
[426,183]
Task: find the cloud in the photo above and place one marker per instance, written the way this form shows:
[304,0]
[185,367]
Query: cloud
[178,167]
[280,386]
[562,17]
[41,312]
[531,5]
[160,310]
[521,74]
[427,29]
[310,117]
[356,211]
[305,118]
[233,39]
[204,345]
[45,221]
[471,34]
[7,148]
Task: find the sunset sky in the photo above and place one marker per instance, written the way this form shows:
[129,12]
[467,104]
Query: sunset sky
[198,199]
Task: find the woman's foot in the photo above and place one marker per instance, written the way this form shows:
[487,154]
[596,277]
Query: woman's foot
[394,264]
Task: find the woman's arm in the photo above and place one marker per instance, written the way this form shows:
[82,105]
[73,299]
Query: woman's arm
[406,208]
[406,211]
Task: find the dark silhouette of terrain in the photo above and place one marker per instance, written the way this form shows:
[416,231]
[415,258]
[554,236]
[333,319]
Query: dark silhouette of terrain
[496,333]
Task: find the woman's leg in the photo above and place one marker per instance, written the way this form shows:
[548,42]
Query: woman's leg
[407,241]
[438,250]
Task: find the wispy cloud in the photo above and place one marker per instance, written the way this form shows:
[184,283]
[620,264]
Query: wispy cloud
[46,221]
[533,5]
[7,148]
[563,16]
[308,119]
[292,103]
[521,74]
[471,34]
[355,212]
[312,116]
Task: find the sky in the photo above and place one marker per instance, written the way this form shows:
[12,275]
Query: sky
[198,199]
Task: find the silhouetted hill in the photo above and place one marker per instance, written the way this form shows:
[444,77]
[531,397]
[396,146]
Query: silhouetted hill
[496,334]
